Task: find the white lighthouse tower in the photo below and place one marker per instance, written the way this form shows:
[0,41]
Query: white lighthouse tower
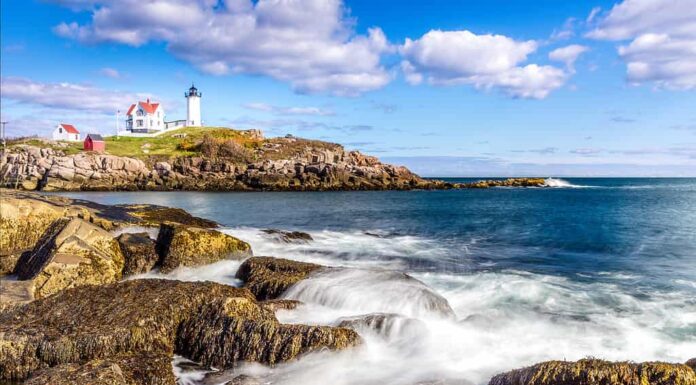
[193,107]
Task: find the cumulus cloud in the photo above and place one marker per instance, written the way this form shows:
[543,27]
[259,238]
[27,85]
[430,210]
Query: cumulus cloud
[278,110]
[568,55]
[483,61]
[310,44]
[66,95]
[661,36]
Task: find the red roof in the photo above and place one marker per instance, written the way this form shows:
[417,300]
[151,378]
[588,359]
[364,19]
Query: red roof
[148,107]
[70,128]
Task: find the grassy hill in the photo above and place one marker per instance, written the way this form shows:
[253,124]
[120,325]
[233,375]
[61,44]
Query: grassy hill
[181,142]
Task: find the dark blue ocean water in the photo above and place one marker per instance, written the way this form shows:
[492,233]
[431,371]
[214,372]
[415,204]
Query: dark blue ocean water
[592,267]
[588,229]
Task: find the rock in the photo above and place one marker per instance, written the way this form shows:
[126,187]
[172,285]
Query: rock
[594,371]
[138,252]
[126,369]
[280,304]
[510,182]
[14,293]
[179,245]
[691,363]
[8,263]
[71,253]
[151,215]
[23,221]
[269,277]
[289,236]
[213,324]
[385,324]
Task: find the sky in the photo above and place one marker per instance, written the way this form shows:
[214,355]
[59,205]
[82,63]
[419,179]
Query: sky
[447,88]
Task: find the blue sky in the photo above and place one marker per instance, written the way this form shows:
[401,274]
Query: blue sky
[448,88]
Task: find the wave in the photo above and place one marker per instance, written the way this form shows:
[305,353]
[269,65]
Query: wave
[504,320]
[561,183]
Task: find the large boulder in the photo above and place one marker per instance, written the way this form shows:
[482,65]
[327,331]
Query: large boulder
[216,325]
[268,278]
[180,245]
[691,363]
[70,253]
[139,253]
[598,372]
[22,223]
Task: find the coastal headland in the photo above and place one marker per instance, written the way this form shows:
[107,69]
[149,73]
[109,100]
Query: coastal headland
[71,312]
[211,159]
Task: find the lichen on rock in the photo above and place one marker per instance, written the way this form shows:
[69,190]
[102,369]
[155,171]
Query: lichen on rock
[214,324]
[71,253]
[598,372]
[180,245]
[269,277]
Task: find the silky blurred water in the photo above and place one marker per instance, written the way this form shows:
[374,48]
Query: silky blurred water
[591,267]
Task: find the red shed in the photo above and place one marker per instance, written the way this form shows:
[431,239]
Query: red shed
[94,142]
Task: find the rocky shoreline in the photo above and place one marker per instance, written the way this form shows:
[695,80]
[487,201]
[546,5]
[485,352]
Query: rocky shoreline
[69,314]
[31,168]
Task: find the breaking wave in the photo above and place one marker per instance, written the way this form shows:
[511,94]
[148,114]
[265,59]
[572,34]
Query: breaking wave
[502,319]
[561,183]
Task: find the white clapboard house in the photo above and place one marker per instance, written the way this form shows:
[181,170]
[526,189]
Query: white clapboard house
[67,132]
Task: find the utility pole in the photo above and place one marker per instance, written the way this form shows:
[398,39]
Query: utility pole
[2,135]
[117,113]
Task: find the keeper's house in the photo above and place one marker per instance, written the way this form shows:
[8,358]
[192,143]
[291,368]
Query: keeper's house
[67,132]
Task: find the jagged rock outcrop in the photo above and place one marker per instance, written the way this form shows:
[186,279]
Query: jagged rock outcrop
[70,253]
[214,324]
[691,363]
[269,277]
[180,245]
[284,164]
[288,236]
[139,253]
[598,372]
[510,182]
[127,369]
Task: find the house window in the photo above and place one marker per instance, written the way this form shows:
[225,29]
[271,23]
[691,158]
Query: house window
[151,122]
[139,123]
[139,113]
[60,130]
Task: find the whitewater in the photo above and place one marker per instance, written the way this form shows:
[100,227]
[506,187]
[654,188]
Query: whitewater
[528,275]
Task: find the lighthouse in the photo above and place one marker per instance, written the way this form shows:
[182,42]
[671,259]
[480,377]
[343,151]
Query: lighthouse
[193,107]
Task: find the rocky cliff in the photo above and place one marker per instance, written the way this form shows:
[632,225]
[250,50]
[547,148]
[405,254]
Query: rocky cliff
[283,164]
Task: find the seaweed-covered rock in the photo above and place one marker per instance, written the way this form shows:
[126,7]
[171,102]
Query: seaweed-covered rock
[510,182]
[139,253]
[280,304]
[269,277]
[179,245]
[14,293]
[71,253]
[8,263]
[598,372]
[214,324]
[288,236]
[151,215]
[127,369]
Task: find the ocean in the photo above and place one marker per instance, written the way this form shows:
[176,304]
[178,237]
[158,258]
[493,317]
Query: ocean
[601,267]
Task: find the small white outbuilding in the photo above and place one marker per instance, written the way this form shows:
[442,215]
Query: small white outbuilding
[66,132]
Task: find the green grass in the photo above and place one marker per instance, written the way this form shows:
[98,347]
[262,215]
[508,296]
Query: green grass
[165,145]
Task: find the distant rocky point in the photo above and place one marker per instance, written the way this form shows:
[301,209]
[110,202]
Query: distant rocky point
[210,159]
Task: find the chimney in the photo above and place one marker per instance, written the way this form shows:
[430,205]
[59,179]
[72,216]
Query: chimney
[148,100]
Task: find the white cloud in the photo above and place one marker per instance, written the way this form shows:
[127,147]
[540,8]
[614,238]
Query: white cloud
[110,73]
[310,44]
[483,61]
[662,35]
[66,95]
[568,54]
[278,110]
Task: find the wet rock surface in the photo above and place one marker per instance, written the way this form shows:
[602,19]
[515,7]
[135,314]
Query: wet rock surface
[71,253]
[510,182]
[180,245]
[598,372]
[288,236]
[268,278]
[127,369]
[210,323]
[139,253]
